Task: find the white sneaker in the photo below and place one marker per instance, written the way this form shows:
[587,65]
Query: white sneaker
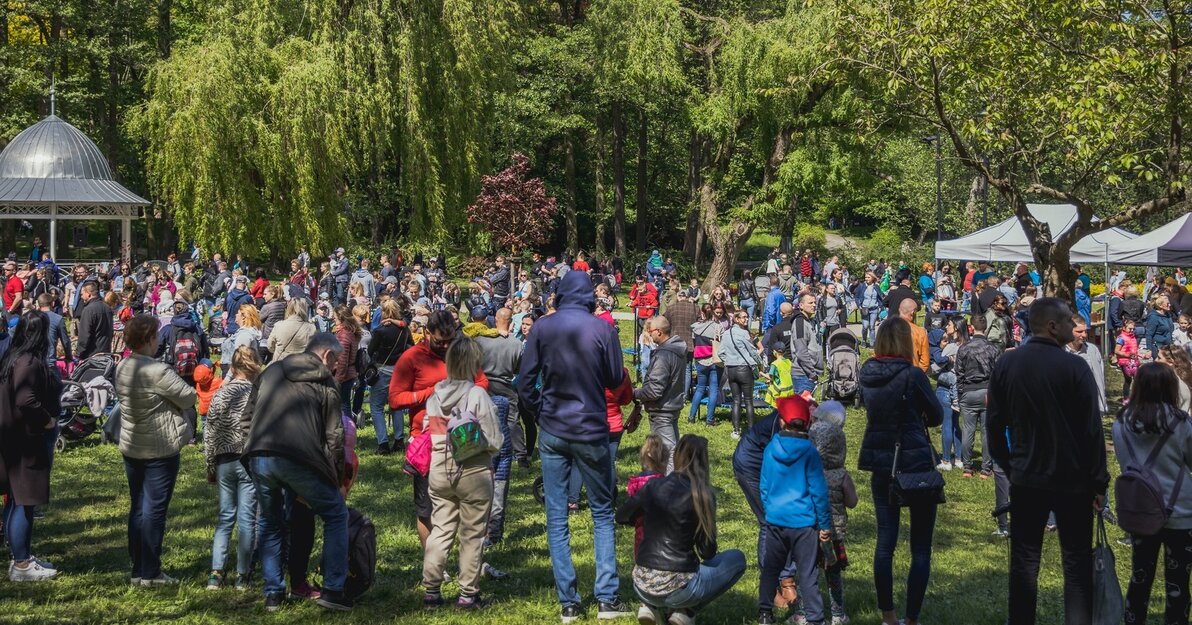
[956,464]
[840,620]
[944,466]
[160,580]
[645,616]
[680,617]
[35,572]
[736,435]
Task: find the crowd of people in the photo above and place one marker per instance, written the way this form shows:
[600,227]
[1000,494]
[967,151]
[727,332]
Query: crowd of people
[271,379]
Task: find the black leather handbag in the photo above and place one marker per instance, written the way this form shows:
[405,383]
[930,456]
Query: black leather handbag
[911,488]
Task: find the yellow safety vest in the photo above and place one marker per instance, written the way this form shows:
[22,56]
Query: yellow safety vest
[781,384]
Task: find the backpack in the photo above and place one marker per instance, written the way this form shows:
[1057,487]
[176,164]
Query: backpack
[362,554]
[363,361]
[1141,509]
[466,436]
[184,353]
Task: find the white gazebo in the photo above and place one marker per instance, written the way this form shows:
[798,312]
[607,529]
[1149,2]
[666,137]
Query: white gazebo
[52,171]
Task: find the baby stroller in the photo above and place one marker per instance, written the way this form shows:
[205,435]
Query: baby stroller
[215,330]
[88,398]
[844,362]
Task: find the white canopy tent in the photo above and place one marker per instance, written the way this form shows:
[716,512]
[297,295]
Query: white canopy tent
[1169,245]
[1007,242]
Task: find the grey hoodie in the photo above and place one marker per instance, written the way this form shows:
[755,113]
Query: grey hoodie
[466,396]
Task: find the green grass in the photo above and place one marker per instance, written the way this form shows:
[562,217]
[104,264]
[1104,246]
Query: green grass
[83,533]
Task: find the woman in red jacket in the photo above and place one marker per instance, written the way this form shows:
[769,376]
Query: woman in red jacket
[347,330]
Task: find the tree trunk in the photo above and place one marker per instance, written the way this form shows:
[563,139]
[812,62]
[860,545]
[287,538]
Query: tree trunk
[111,131]
[643,211]
[694,167]
[165,30]
[569,202]
[726,243]
[1058,280]
[598,172]
[788,226]
[618,180]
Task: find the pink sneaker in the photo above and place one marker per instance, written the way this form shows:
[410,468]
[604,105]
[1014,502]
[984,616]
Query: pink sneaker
[304,591]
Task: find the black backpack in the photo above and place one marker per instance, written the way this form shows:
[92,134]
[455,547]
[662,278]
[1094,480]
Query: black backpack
[362,554]
[1142,509]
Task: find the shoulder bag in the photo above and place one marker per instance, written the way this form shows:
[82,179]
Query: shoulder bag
[919,487]
[372,373]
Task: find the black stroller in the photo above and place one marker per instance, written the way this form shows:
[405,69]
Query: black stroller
[77,420]
[844,363]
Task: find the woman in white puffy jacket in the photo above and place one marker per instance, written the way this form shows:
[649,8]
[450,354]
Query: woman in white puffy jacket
[153,429]
[460,493]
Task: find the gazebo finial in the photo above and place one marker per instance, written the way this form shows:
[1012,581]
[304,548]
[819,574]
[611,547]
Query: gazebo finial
[52,107]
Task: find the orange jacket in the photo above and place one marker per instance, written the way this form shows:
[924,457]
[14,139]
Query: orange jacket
[205,386]
[922,349]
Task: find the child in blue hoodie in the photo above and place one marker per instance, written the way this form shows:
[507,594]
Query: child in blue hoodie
[794,493]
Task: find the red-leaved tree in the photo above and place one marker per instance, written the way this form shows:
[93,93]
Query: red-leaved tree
[514,207]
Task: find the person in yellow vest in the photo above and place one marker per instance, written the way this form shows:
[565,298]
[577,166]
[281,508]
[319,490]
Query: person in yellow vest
[780,376]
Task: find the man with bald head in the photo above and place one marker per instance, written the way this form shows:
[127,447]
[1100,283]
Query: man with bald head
[1044,431]
[781,331]
[906,310]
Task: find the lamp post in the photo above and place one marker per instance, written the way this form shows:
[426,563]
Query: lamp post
[939,186]
[985,196]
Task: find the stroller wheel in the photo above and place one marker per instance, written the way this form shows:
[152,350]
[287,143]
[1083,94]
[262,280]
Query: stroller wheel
[539,490]
[60,444]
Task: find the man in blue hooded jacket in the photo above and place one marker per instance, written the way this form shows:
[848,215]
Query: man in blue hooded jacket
[570,359]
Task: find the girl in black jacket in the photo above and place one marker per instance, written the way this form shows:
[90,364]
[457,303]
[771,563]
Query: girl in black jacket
[677,570]
[900,406]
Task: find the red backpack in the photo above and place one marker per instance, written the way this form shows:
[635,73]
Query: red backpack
[185,354]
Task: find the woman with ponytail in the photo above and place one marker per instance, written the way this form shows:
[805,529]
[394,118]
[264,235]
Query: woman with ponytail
[677,569]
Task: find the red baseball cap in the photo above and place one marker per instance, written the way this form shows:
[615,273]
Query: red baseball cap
[795,408]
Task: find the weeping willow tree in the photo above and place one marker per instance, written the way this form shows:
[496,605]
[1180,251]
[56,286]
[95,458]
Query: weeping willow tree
[263,133]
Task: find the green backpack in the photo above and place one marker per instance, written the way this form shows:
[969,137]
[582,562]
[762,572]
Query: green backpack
[466,436]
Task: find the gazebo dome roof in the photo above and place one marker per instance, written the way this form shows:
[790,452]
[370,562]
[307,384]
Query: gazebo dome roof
[52,148]
[52,162]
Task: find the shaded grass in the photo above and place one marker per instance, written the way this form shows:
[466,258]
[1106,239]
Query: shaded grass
[84,534]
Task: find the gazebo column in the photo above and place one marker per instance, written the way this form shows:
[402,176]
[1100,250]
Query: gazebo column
[54,232]
[126,239]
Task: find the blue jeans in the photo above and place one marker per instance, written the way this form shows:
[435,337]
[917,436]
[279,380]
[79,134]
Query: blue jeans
[237,507]
[715,577]
[595,465]
[645,360]
[345,395]
[272,474]
[800,384]
[749,306]
[707,384]
[150,488]
[869,325]
[949,432]
[378,399]
[922,530]
[576,482]
[18,530]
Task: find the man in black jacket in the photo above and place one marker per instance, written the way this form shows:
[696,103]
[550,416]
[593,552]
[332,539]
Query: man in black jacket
[296,443]
[662,390]
[895,296]
[1045,400]
[974,366]
[95,323]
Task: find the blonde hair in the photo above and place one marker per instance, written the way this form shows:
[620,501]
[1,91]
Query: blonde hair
[245,363]
[252,316]
[356,289]
[298,307]
[390,310]
[894,338]
[361,313]
[463,359]
[653,454]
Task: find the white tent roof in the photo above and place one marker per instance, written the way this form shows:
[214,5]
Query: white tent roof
[1168,245]
[1007,242]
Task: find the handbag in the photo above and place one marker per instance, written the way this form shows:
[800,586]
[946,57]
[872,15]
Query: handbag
[918,487]
[1107,605]
[418,455]
[372,373]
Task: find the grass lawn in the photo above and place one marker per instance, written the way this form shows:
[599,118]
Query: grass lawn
[83,533]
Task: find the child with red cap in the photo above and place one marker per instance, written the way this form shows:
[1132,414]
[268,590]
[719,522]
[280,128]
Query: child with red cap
[794,494]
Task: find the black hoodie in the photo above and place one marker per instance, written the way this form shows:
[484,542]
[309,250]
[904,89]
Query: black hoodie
[295,414]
